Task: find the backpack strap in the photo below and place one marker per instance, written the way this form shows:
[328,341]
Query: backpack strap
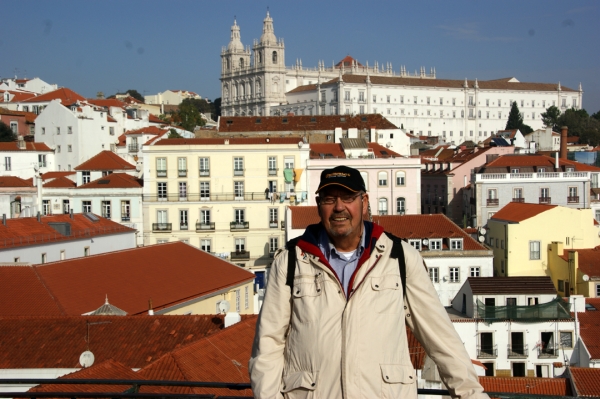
[398,253]
[291,265]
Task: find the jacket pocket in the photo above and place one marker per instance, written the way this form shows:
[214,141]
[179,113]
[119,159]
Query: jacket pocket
[398,381]
[387,292]
[306,294]
[299,384]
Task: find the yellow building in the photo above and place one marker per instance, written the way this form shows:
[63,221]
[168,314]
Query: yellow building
[224,196]
[575,271]
[521,233]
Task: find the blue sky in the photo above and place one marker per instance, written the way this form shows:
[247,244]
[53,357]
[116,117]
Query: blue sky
[151,45]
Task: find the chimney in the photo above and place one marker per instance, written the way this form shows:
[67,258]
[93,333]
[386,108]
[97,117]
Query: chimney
[71,214]
[563,142]
[39,217]
[150,310]
[4,219]
[232,318]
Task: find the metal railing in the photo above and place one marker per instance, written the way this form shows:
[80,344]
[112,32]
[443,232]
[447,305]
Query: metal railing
[240,255]
[517,351]
[239,225]
[538,175]
[273,224]
[182,172]
[518,200]
[193,197]
[205,226]
[165,227]
[545,200]
[133,147]
[492,201]
[572,200]
[487,351]
[547,352]
[161,173]
[283,225]
[272,172]
[37,239]
[204,172]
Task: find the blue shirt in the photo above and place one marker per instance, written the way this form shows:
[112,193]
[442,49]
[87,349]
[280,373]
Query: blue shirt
[344,268]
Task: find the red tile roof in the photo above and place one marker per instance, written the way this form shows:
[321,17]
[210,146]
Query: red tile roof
[586,381]
[155,119]
[301,123]
[28,231]
[24,296]
[17,96]
[508,161]
[67,97]
[105,160]
[512,285]
[60,182]
[106,102]
[29,146]
[54,175]
[29,116]
[122,140]
[441,155]
[589,260]
[169,274]
[148,130]
[336,150]
[519,211]
[115,180]
[405,227]
[13,181]
[527,385]
[589,327]
[232,141]
[347,62]
[135,341]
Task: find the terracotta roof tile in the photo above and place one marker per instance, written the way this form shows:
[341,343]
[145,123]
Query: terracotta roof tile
[301,123]
[22,294]
[13,181]
[67,97]
[527,385]
[122,140]
[335,150]
[519,211]
[29,146]
[348,61]
[105,160]
[168,273]
[106,102]
[148,130]
[155,119]
[134,341]
[589,325]
[17,96]
[60,182]
[115,180]
[586,381]
[508,161]
[232,141]
[54,175]
[29,116]
[512,285]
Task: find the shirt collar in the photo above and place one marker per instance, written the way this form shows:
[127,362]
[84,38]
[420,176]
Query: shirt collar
[328,248]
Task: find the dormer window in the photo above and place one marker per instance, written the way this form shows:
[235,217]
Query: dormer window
[514,170]
[435,244]
[570,169]
[416,244]
[456,243]
[541,170]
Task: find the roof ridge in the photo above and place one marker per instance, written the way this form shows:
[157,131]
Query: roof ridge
[48,290]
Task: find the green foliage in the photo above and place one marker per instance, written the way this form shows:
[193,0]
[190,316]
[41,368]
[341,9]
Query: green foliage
[135,94]
[596,116]
[217,105]
[174,135]
[188,116]
[6,133]
[515,119]
[582,125]
[550,117]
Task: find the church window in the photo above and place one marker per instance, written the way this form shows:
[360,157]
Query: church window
[274,57]
[228,66]
[259,55]
[241,63]
[258,87]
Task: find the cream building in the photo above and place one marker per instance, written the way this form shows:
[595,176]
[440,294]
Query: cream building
[171,97]
[575,271]
[224,196]
[520,234]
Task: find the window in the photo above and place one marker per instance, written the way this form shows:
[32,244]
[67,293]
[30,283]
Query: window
[273,244]
[46,207]
[238,190]
[246,298]
[561,286]
[58,130]
[204,191]
[544,195]
[361,96]
[374,98]
[58,149]
[454,275]
[456,243]
[161,167]
[518,369]
[7,163]
[183,219]
[42,160]
[383,208]
[534,250]
[182,167]
[86,176]
[238,166]
[573,195]
[106,209]
[204,166]
[237,292]
[382,178]
[205,216]
[66,206]
[239,215]
[69,148]
[182,191]
[434,274]
[205,244]
[86,251]
[44,258]
[273,213]
[125,211]
[435,244]
[400,205]
[429,100]
[400,178]
[272,165]
[86,206]
[475,271]
[162,190]
[274,57]
[566,339]
[347,95]
[240,244]
[416,244]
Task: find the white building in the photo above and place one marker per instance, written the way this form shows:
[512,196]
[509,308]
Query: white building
[171,97]
[259,83]
[545,139]
[34,85]
[18,197]
[23,158]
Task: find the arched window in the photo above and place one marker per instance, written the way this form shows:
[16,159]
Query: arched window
[241,63]
[382,178]
[259,57]
[235,91]
[400,178]
[242,90]
[365,177]
[258,87]
[275,86]
[383,208]
[274,57]
[227,63]
[400,205]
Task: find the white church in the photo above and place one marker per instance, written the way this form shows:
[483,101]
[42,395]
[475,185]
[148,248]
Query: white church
[257,82]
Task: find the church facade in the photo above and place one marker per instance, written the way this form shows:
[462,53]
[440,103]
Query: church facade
[256,82]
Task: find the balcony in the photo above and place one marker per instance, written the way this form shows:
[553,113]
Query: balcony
[547,352]
[273,224]
[205,196]
[238,172]
[240,255]
[573,176]
[125,218]
[487,351]
[182,173]
[283,225]
[161,173]
[272,172]
[239,226]
[492,202]
[205,227]
[204,172]
[545,200]
[271,254]
[517,351]
[518,200]
[162,227]
[133,148]
[573,200]
[183,226]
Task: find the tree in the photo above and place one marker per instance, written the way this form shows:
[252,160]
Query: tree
[596,116]
[135,94]
[577,120]
[203,106]
[515,120]
[188,116]
[174,135]
[6,133]
[217,104]
[550,117]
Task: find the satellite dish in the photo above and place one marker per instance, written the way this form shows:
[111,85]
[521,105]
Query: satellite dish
[223,306]
[426,242]
[481,238]
[86,359]
[482,231]
[586,277]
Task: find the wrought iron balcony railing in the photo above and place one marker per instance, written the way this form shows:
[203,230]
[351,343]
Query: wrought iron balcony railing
[162,227]
[545,200]
[182,172]
[517,351]
[487,351]
[240,255]
[239,226]
[208,196]
[573,200]
[518,200]
[133,147]
[205,226]
[273,224]
[492,202]
[547,352]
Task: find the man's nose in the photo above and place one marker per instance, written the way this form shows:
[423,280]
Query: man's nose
[339,204]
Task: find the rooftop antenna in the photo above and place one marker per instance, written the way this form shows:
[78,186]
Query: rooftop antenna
[86,359]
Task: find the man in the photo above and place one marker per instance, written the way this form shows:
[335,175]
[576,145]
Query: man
[339,332]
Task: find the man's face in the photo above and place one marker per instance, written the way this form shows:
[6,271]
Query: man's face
[342,219]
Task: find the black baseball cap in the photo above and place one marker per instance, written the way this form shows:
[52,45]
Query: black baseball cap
[342,176]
